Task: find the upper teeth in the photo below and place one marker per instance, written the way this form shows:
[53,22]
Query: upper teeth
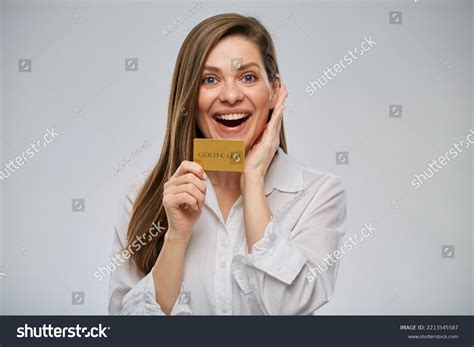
[231,116]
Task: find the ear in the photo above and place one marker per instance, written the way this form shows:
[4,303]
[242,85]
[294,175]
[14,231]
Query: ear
[276,85]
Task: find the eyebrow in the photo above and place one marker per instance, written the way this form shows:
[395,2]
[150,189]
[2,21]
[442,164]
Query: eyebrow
[242,67]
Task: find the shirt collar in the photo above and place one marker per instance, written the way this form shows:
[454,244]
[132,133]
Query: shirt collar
[284,174]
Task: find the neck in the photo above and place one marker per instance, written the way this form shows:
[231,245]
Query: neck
[223,178]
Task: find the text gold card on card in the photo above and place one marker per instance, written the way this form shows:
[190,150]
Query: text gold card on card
[219,155]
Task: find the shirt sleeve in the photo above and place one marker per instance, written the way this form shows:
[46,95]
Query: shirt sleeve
[280,270]
[130,291]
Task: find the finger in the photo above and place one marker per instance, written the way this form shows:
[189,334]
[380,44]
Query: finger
[189,166]
[181,200]
[275,123]
[187,200]
[282,95]
[278,110]
[280,123]
[189,178]
[178,200]
[190,189]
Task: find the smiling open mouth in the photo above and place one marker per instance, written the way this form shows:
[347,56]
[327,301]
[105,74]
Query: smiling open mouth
[232,120]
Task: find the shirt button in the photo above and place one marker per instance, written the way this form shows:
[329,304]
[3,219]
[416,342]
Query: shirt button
[224,309]
[272,237]
[223,264]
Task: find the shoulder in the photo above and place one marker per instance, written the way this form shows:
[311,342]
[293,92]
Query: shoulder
[324,190]
[135,185]
[327,198]
[319,181]
[125,205]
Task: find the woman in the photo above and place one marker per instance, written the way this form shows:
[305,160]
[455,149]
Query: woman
[233,243]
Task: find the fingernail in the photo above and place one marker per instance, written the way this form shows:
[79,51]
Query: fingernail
[205,176]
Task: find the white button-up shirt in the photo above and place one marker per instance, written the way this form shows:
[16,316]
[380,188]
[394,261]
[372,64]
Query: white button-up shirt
[222,278]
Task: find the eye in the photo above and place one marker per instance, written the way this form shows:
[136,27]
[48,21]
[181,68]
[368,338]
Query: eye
[209,80]
[250,77]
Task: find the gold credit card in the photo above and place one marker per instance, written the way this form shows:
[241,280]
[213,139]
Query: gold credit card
[219,155]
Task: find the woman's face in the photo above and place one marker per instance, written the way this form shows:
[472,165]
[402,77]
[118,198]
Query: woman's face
[235,94]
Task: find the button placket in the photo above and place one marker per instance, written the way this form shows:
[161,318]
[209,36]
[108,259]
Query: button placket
[224,257]
[223,273]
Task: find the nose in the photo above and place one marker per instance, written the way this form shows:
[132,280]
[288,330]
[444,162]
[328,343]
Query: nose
[231,93]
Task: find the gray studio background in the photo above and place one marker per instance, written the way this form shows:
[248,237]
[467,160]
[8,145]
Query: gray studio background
[76,82]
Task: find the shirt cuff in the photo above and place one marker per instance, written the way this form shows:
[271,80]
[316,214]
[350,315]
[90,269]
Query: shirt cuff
[276,255]
[141,300]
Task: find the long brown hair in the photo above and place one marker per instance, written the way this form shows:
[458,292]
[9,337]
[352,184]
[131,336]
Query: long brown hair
[181,126]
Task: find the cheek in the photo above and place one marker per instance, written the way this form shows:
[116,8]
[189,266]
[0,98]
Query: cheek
[201,117]
[261,124]
[260,97]
[205,99]
[201,123]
